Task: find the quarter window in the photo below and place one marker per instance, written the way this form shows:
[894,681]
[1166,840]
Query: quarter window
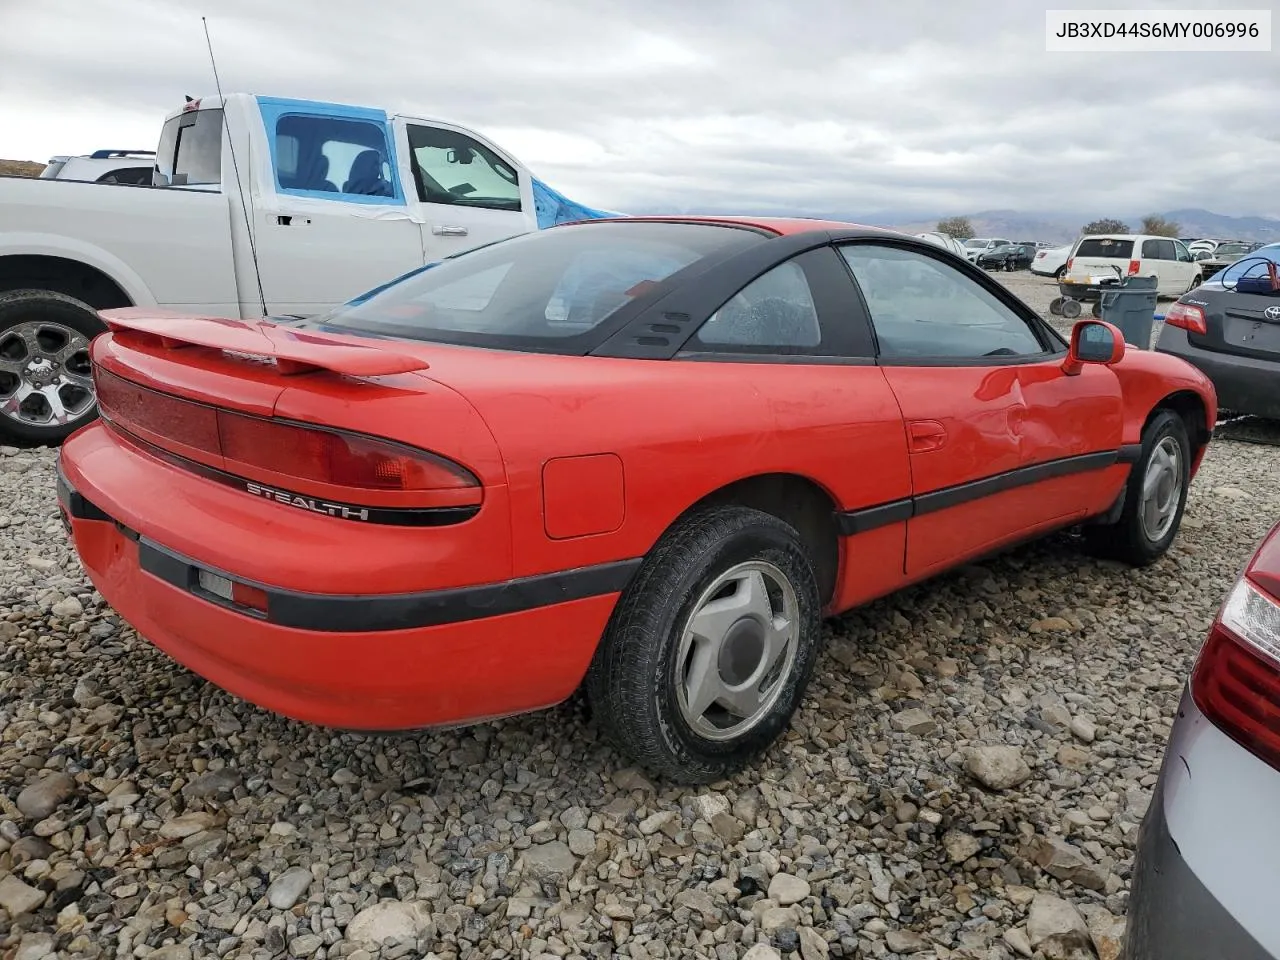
[921,307]
[453,168]
[774,312]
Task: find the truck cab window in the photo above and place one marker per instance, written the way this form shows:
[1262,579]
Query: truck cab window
[190,151]
[333,155]
[455,169]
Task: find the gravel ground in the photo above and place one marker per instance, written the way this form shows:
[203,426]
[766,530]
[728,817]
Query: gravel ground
[964,780]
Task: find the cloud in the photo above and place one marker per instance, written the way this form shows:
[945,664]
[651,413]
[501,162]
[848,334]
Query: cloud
[814,106]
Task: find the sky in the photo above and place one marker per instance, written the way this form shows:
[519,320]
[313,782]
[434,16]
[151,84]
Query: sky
[898,109]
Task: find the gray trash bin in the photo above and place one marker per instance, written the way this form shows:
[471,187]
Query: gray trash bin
[1131,306]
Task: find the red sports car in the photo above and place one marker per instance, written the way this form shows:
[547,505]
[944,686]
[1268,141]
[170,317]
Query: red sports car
[647,455]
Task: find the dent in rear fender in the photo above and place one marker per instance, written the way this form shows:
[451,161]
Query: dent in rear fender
[409,408]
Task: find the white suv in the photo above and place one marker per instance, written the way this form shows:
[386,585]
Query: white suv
[1136,255]
[104,166]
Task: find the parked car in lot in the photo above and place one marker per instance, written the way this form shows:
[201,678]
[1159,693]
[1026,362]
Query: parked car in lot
[1208,859]
[1136,255]
[103,166]
[1051,262]
[642,455]
[1225,254]
[339,198]
[975,246]
[1008,256]
[944,241]
[1229,327]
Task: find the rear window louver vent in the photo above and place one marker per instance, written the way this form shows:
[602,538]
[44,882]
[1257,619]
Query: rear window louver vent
[660,332]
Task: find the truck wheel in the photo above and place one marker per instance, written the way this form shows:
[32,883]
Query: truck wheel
[711,647]
[46,384]
[1154,498]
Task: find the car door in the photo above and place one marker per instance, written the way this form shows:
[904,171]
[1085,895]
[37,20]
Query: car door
[1002,443]
[1188,269]
[468,193]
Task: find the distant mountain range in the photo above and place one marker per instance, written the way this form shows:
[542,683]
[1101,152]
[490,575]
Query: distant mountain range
[1060,228]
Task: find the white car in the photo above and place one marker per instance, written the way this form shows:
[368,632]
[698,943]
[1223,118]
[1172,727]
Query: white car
[1051,262]
[976,246]
[1135,255]
[944,241]
[103,166]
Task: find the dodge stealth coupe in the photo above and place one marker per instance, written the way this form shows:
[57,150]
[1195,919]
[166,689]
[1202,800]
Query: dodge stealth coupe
[641,456]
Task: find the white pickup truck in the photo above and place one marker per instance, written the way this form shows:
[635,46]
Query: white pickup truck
[258,206]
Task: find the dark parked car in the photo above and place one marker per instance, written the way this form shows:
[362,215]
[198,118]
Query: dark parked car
[1205,873]
[1226,254]
[1007,256]
[1229,327]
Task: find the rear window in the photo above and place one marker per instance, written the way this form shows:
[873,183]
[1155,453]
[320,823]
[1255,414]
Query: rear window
[1105,247]
[551,290]
[190,150]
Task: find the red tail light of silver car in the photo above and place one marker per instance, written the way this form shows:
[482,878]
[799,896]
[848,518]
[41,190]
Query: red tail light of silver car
[1236,680]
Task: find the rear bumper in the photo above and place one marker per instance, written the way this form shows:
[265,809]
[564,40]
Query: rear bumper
[1244,384]
[365,662]
[1203,880]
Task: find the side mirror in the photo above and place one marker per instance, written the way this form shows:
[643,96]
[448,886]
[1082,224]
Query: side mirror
[1093,341]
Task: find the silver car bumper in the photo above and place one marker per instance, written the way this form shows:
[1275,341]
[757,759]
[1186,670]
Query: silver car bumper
[1208,861]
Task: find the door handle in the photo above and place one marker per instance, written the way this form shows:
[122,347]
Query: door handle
[448,230]
[926,435]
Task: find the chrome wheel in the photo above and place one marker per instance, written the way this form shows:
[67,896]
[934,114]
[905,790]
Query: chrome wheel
[45,374]
[1161,489]
[737,650]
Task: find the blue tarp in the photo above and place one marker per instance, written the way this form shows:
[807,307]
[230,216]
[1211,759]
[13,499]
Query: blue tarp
[554,207]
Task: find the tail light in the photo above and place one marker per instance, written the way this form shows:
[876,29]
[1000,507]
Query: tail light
[1134,267]
[1236,680]
[1188,317]
[291,456]
[1070,260]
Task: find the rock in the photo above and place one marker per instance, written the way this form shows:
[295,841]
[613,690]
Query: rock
[1073,757]
[761,951]
[1017,940]
[1105,930]
[1053,711]
[549,859]
[1232,493]
[215,785]
[35,946]
[305,945]
[778,918]
[574,818]
[784,889]
[175,951]
[390,920]
[997,766]
[904,942]
[67,609]
[960,846]
[16,898]
[728,827]
[582,842]
[1053,624]
[914,721]
[288,888]
[1055,927]
[1063,861]
[812,945]
[656,821]
[40,799]
[30,848]
[1084,729]
[186,825]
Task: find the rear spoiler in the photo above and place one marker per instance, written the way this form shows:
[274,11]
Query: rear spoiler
[292,351]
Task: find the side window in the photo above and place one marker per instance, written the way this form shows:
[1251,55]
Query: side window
[922,307]
[1183,253]
[453,168]
[334,155]
[1167,250]
[1151,249]
[773,313]
[190,150]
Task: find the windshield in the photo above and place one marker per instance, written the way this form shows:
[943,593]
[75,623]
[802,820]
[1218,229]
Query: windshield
[1232,249]
[550,290]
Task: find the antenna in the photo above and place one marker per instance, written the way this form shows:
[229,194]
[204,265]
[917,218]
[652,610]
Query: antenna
[244,204]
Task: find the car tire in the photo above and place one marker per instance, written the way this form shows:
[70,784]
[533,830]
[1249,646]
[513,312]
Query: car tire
[710,567]
[55,330]
[1134,539]
[1195,282]
[1060,273]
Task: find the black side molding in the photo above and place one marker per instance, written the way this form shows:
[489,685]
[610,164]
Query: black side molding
[852,522]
